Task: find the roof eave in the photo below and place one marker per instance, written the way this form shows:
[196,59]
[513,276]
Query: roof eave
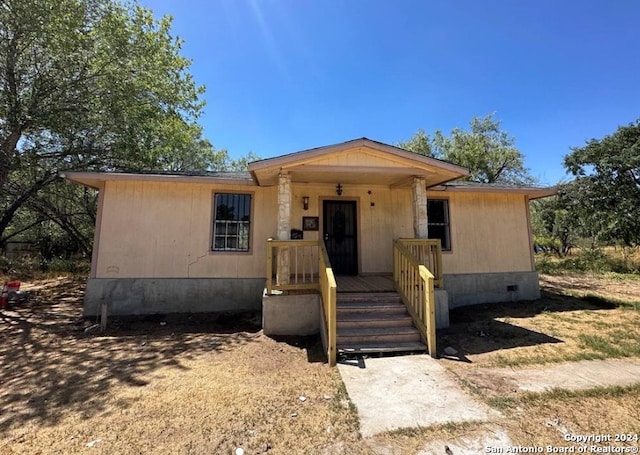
[94,179]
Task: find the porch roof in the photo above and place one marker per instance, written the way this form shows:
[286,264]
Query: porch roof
[359,161]
[532,192]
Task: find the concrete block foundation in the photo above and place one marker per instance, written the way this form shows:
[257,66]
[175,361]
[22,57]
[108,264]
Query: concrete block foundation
[297,314]
[442,309]
[475,288]
[137,296]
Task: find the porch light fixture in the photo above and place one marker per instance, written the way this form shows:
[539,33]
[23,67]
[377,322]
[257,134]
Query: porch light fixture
[339,189]
[305,202]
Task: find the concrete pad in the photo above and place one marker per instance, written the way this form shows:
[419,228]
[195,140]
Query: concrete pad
[408,391]
[585,374]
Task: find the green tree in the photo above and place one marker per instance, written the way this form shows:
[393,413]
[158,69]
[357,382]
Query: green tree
[420,143]
[607,173]
[89,85]
[487,151]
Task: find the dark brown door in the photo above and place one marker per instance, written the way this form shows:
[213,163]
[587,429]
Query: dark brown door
[340,236]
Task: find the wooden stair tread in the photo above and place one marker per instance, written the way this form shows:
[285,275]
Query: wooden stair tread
[367,296]
[365,305]
[375,322]
[376,331]
[381,347]
[374,316]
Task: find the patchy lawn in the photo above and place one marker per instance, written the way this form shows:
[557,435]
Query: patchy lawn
[579,317]
[195,386]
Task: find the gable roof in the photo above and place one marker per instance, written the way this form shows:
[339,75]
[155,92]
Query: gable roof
[356,161]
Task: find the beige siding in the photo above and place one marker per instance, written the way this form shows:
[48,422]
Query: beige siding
[357,157]
[489,233]
[389,218]
[152,229]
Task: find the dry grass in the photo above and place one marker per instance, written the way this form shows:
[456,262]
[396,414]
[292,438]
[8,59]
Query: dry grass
[562,326]
[579,317]
[541,419]
[210,385]
[198,386]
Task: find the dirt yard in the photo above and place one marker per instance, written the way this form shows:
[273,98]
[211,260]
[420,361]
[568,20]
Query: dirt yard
[212,385]
[161,385]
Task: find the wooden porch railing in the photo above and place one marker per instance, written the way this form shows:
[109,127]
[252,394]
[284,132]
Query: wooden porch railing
[304,265]
[292,265]
[415,284]
[429,253]
[328,289]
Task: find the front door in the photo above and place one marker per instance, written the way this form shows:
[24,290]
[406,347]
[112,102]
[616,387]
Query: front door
[340,236]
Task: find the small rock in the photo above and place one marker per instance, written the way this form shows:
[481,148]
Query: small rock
[329,428]
[303,398]
[266,447]
[326,397]
[143,343]
[483,334]
[163,323]
[239,451]
[94,443]
[450,351]
[91,328]
[294,414]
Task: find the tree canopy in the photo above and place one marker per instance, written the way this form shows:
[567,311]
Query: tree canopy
[95,85]
[607,174]
[487,151]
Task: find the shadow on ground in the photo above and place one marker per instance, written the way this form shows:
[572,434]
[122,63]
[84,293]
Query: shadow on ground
[476,329]
[52,366]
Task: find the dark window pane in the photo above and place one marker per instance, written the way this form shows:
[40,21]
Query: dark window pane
[438,221]
[436,210]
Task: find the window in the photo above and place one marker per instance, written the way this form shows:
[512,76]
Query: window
[438,221]
[232,213]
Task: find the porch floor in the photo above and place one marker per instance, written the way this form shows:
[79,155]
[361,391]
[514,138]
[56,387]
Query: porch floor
[368,283]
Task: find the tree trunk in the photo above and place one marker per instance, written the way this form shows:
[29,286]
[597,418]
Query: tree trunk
[8,214]
[7,149]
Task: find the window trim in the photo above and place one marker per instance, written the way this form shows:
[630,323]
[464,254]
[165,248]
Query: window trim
[447,224]
[212,221]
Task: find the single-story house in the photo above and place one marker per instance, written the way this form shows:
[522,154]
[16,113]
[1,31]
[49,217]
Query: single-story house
[200,242]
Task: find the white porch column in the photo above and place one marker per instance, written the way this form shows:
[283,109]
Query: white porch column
[284,225]
[420,227]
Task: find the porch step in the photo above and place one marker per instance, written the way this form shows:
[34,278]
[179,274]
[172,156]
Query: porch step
[370,322]
[372,348]
[377,334]
[356,320]
[368,297]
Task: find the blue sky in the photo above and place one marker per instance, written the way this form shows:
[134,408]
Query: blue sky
[287,75]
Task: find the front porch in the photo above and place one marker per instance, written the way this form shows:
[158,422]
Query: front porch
[360,313]
[365,283]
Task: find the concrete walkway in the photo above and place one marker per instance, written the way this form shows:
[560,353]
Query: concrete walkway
[411,391]
[585,374]
[408,391]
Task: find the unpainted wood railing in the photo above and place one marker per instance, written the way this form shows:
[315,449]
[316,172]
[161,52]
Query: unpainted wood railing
[328,288]
[415,284]
[304,265]
[292,265]
[429,253]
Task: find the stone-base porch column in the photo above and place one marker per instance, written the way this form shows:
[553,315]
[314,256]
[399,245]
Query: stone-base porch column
[284,226]
[420,226]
